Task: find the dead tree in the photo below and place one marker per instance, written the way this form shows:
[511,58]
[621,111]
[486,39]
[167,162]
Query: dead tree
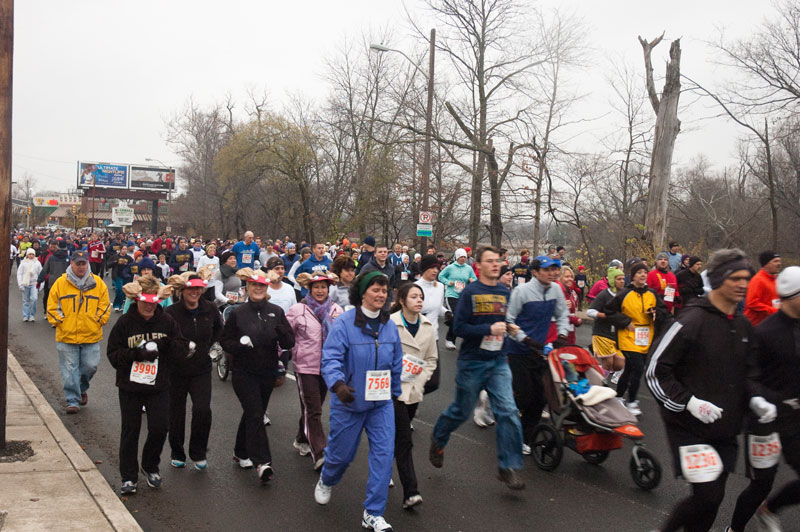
[667,128]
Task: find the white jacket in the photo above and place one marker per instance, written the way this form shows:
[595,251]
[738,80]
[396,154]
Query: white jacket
[422,346]
[28,271]
[434,305]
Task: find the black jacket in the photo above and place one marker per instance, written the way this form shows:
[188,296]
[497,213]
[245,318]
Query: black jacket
[129,331]
[708,355]
[119,263]
[690,286]
[203,327]
[603,326]
[55,267]
[267,327]
[778,350]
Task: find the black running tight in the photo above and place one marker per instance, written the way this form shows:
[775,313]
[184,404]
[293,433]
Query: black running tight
[697,512]
[749,501]
[787,496]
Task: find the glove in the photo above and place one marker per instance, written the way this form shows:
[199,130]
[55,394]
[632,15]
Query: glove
[344,392]
[766,411]
[246,341]
[38,286]
[703,410]
[192,347]
[560,342]
[148,352]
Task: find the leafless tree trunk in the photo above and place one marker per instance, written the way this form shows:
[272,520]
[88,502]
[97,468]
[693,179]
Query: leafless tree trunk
[667,128]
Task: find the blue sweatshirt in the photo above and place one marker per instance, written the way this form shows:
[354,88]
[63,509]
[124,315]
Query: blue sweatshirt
[479,306]
[246,255]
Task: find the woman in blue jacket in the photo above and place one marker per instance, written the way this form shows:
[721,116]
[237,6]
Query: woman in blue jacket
[361,363]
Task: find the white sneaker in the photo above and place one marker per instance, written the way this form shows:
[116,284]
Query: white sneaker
[621,401]
[391,483]
[31,319]
[633,408]
[615,377]
[265,473]
[450,345]
[244,463]
[322,493]
[375,522]
[201,465]
[526,449]
[767,521]
[266,419]
[302,448]
[412,501]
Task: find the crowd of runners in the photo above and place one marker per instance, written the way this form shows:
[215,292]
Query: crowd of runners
[715,339]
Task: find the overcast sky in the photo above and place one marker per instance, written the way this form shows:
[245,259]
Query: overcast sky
[95,79]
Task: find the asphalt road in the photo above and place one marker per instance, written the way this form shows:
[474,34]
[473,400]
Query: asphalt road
[464,495]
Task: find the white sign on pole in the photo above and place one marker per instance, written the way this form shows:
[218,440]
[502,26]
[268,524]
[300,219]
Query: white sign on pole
[425,217]
[122,216]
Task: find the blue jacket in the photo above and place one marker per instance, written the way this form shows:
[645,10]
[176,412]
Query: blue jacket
[312,265]
[533,307]
[288,261]
[352,349]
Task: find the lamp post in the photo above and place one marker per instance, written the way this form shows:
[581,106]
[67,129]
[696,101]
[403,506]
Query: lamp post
[169,196]
[426,164]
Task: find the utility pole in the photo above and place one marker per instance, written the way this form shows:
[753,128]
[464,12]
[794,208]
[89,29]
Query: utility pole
[6,85]
[426,164]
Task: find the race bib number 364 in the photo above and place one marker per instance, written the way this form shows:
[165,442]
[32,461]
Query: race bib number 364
[378,386]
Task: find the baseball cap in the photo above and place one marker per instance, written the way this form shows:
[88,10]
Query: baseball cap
[547,262]
[79,256]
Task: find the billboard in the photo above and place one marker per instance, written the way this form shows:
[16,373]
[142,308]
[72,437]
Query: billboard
[152,178]
[102,175]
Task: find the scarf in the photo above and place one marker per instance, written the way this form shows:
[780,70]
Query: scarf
[226,271]
[85,283]
[323,313]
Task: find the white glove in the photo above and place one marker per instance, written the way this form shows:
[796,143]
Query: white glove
[192,347]
[151,346]
[703,410]
[766,411]
[245,340]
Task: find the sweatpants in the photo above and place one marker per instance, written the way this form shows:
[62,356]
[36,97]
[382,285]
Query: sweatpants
[346,428]
[312,391]
[403,415]
[198,387]
[130,406]
[97,268]
[697,512]
[631,376]
[527,383]
[119,295]
[253,392]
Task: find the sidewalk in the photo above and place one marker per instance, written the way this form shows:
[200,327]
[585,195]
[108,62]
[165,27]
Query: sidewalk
[59,487]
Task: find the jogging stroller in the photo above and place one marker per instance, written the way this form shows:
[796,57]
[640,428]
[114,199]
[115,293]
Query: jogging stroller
[586,417]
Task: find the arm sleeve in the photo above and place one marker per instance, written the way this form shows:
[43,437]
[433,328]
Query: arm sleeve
[54,314]
[216,329]
[117,351]
[667,355]
[104,305]
[561,313]
[332,366]
[285,332]
[444,275]
[42,274]
[652,281]
[397,366]
[613,311]
[229,340]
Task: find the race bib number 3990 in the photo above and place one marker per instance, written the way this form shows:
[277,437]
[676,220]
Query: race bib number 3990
[144,372]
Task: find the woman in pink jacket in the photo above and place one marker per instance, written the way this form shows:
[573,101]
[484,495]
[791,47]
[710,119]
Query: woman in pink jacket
[311,319]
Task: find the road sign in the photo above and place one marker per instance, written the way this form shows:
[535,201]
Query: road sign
[424,229]
[122,216]
[424,218]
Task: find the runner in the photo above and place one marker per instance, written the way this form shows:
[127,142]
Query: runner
[700,374]
[197,253]
[246,251]
[522,270]
[96,252]
[227,287]
[418,338]
[317,262]
[362,360]
[311,320]
[252,334]
[455,278]
[762,298]
[345,269]
[181,259]
[604,333]
[480,320]
[380,263]
[663,281]
[27,274]
[690,283]
[566,279]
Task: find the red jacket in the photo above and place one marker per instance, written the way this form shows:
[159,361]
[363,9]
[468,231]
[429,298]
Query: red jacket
[664,284]
[762,298]
[96,251]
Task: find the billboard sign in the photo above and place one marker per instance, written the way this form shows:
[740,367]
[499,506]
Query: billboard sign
[122,216]
[102,175]
[152,178]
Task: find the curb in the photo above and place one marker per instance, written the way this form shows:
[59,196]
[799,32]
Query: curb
[112,508]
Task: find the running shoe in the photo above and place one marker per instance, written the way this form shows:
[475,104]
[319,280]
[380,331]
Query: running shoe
[767,521]
[201,465]
[153,479]
[128,488]
[265,472]
[244,463]
[322,493]
[302,448]
[391,483]
[319,463]
[436,454]
[266,419]
[177,463]
[633,408]
[526,449]
[510,478]
[375,522]
[412,501]
[450,345]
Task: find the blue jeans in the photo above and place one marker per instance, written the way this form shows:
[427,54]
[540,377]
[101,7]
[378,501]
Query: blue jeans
[29,295]
[119,295]
[78,365]
[495,376]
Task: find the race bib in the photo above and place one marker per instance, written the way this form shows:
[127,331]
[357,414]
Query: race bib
[581,284]
[641,336]
[404,276]
[95,254]
[492,342]
[247,258]
[412,366]
[379,385]
[144,372]
[520,281]
[184,267]
[776,303]
[700,463]
[669,294]
[458,286]
[764,451]
[196,260]
[233,296]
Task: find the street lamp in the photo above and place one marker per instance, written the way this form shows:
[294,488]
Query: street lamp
[426,165]
[169,194]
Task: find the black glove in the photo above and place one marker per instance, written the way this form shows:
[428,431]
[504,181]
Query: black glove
[164,344]
[144,354]
[344,392]
[560,342]
[535,347]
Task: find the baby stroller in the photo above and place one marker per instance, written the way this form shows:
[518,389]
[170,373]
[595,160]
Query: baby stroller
[586,417]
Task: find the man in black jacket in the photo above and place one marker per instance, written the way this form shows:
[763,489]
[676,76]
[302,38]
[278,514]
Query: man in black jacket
[199,321]
[54,267]
[143,344]
[703,374]
[380,262]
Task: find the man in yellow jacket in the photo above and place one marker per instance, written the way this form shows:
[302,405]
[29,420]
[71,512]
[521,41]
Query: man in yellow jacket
[78,307]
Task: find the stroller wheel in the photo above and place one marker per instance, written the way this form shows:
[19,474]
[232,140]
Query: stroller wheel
[547,447]
[595,457]
[647,472]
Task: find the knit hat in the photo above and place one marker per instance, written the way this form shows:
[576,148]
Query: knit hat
[504,269]
[223,258]
[147,263]
[30,251]
[788,284]
[662,255]
[615,264]
[370,241]
[612,274]
[636,267]
[694,260]
[767,256]
[62,244]
[428,262]
[460,252]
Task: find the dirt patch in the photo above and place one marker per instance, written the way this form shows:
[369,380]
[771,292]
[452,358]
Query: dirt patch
[16,451]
